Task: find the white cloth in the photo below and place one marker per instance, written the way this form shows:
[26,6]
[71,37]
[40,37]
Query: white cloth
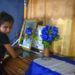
[57,65]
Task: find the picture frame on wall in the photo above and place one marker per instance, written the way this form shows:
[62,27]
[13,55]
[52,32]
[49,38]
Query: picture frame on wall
[25,40]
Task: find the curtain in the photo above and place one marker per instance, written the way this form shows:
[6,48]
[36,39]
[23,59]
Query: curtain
[36,9]
[59,13]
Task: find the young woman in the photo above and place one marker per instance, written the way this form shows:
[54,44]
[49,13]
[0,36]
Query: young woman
[6,22]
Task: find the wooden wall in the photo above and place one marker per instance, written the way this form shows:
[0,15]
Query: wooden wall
[72,43]
[60,13]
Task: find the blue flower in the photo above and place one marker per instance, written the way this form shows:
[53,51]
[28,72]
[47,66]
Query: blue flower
[44,37]
[55,29]
[44,31]
[50,38]
[54,33]
[28,31]
[48,27]
[49,34]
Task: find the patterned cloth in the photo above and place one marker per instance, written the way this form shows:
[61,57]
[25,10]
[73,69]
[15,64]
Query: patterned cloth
[53,66]
[36,69]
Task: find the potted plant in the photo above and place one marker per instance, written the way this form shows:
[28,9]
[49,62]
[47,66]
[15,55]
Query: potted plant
[49,34]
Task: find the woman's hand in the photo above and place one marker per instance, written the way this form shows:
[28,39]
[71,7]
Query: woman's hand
[11,51]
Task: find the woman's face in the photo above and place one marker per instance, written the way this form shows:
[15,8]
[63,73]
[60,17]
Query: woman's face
[5,27]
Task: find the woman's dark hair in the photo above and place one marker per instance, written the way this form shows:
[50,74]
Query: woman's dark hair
[5,17]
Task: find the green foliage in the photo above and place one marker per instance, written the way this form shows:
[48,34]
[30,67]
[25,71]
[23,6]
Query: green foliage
[46,44]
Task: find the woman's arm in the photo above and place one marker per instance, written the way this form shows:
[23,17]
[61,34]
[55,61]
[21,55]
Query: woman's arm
[10,50]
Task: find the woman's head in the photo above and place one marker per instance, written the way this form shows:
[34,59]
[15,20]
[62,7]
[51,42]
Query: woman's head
[6,22]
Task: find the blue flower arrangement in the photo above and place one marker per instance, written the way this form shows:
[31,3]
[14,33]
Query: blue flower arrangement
[28,32]
[49,34]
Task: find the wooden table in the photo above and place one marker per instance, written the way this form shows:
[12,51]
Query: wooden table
[17,66]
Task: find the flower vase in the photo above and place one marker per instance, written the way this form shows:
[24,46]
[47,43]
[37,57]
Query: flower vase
[46,53]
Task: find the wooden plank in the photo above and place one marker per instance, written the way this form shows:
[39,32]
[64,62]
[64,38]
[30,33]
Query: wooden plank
[17,66]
